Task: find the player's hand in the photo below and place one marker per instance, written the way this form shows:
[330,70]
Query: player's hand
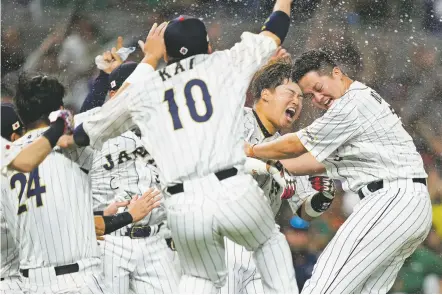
[64,115]
[99,227]
[323,184]
[140,207]
[112,209]
[66,141]
[154,46]
[248,150]
[280,53]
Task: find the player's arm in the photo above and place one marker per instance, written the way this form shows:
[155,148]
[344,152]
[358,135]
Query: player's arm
[277,25]
[137,210]
[33,154]
[305,164]
[321,138]
[313,196]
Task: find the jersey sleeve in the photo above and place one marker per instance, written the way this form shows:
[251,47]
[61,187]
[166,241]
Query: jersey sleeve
[114,117]
[303,191]
[9,152]
[253,51]
[338,125]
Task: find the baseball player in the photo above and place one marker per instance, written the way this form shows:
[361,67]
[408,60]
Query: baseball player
[278,103]
[137,257]
[190,118]
[25,159]
[52,221]
[361,141]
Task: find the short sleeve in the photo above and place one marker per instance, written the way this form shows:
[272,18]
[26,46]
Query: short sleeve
[303,191]
[338,125]
[9,152]
[252,52]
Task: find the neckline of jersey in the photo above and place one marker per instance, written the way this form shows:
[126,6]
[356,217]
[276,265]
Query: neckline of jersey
[261,126]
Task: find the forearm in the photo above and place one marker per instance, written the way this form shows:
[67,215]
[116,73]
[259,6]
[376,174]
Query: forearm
[115,222]
[285,147]
[305,164]
[32,155]
[283,5]
[97,95]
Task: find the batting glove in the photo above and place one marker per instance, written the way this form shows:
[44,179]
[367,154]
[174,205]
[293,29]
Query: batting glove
[66,116]
[323,184]
[287,182]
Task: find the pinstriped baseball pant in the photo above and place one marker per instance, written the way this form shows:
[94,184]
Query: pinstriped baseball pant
[141,266]
[209,210]
[11,285]
[365,255]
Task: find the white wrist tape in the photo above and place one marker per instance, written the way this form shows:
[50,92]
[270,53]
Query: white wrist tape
[140,73]
[255,167]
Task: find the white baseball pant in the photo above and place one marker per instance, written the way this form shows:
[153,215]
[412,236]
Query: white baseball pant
[210,209]
[143,266]
[88,280]
[366,253]
[11,285]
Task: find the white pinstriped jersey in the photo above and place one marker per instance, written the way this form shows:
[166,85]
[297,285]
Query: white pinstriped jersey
[272,190]
[9,152]
[9,251]
[360,139]
[121,169]
[54,206]
[179,108]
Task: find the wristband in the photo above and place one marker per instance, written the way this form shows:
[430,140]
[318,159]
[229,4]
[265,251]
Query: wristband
[112,223]
[317,204]
[80,136]
[54,132]
[278,23]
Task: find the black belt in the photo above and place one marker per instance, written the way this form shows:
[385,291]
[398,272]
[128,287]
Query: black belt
[377,185]
[59,270]
[223,174]
[143,231]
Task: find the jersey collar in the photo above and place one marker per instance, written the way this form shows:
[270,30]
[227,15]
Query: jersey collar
[261,126]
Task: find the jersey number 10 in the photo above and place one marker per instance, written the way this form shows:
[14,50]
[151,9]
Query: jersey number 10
[33,189]
[169,96]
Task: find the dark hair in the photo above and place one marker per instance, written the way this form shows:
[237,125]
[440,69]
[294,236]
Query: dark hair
[270,76]
[313,60]
[37,96]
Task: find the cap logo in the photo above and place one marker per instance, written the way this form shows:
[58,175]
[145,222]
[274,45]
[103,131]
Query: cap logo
[113,84]
[183,50]
[181,18]
[16,125]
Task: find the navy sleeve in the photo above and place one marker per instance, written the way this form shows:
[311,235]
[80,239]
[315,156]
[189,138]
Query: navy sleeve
[97,95]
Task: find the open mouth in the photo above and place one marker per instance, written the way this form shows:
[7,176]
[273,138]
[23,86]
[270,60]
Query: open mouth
[290,113]
[328,102]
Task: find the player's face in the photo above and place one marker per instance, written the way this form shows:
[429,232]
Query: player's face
[285,104]
[323,90]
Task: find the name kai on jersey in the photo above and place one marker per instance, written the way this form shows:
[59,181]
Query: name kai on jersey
[168,72]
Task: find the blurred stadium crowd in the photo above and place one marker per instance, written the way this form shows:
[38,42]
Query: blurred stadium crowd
[393,46]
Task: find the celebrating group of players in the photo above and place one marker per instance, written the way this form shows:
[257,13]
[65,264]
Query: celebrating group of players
[155,191]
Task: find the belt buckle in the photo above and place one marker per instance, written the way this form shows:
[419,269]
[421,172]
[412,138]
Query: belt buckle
[138,231]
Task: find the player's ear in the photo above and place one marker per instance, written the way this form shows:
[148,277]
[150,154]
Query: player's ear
[14,136]
[209,49]
[265,95]
[337,73]
[165,57]
[112,93]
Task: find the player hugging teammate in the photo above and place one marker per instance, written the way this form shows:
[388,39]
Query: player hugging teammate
[219,204]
